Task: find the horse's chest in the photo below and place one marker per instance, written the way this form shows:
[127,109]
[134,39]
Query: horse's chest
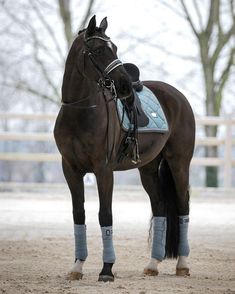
[89,145]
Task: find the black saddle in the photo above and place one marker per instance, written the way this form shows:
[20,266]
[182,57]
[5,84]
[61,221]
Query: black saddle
[134,73]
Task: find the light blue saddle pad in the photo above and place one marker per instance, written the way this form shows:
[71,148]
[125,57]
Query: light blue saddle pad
[152,108]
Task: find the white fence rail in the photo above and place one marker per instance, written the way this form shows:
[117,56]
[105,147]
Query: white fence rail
[227,162]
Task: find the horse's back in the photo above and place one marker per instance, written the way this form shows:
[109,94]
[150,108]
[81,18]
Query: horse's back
[175,105]
[169,96]
[178,112]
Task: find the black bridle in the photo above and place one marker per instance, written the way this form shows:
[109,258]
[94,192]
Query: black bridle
[105,81]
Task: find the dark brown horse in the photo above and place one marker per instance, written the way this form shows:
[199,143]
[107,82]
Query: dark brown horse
[88,135]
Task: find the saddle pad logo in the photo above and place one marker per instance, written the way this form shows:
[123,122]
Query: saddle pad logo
[152,108]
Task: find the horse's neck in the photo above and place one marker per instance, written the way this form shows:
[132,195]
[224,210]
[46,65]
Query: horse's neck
[77,88]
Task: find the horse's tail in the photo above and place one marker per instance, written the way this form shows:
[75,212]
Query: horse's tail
[168,193]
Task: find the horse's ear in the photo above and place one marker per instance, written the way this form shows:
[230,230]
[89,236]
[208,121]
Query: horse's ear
[91,26]
[104,24]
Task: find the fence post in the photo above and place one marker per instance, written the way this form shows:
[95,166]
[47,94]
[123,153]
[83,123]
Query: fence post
[228,166]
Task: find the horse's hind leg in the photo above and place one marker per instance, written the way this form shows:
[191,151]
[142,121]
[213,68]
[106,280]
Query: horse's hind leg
[150,180]
[179,167]
[74,179]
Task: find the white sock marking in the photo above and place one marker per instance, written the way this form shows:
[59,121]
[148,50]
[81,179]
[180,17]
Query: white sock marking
[77,267]
[153,264]
[182,262]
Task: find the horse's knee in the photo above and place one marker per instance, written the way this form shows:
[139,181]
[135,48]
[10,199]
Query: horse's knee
[79,216]
[105,217]
[159,207]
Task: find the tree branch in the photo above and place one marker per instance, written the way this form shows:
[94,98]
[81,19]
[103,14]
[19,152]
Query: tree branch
[223,79]
[154,45]
[65,13]
[87,14]
[45,72]
[27,27]
[22,86]
[195,3]
[223,39]
[214,7]
[48,28]
[188,17]
[232,10]
[172,8]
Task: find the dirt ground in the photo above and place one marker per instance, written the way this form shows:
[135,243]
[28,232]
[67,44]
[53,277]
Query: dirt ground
[36,245]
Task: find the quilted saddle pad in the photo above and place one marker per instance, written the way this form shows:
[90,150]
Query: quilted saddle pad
[153,110]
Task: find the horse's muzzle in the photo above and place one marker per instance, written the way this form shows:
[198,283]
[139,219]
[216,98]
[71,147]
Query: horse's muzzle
[123,87]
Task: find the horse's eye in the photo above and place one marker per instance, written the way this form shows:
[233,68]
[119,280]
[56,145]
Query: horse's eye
[98,50]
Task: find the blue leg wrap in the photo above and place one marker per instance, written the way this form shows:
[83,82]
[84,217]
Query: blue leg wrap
[80,242]
[108,250]
[183,248]
[159,237]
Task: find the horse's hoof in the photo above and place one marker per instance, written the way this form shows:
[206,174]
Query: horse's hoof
[106,278]
[150,272]
[75,276]
[182,272]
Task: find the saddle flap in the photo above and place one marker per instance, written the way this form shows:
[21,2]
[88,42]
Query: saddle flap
[142,119]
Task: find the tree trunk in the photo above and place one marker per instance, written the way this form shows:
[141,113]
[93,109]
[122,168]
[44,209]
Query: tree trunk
[211,171]
[212,39]
[211,179]
[65,13]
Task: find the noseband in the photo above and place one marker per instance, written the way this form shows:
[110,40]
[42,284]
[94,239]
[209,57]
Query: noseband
[105,80]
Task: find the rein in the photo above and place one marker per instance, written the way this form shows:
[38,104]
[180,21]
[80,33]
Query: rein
[77,102]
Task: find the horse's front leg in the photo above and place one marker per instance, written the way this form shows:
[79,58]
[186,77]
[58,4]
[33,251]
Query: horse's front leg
[74,178]
[105,188]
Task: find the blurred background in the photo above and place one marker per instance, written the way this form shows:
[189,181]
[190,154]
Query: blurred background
[188,44]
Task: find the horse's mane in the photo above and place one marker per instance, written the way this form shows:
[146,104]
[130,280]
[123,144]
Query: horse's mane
[70,61]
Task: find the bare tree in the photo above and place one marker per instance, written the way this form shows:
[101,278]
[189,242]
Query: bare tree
[41,33]
[35,38]
[215,36]
[212,23]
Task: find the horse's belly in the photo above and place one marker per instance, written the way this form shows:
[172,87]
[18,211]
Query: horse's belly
[150,145]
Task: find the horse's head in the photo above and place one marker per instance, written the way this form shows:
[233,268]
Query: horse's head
[99,62]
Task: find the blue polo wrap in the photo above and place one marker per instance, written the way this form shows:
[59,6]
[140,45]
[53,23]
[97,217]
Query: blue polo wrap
[183,248]
[108,250]
[80,242]
[159,237]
